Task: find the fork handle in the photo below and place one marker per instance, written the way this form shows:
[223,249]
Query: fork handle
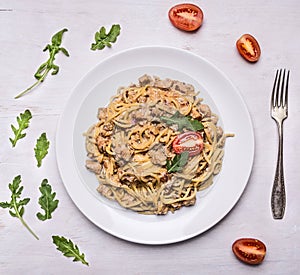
[278,199]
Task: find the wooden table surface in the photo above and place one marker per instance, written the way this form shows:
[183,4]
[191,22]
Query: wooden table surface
[27,26]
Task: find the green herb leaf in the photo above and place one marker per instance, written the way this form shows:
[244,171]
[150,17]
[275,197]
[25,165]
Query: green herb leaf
[69,249]
[196,124]
[23,123]
[41,148]
[183,122]
[178,162]
[102,39]
[16,205]
[57,38]
[46,201]
[49,65]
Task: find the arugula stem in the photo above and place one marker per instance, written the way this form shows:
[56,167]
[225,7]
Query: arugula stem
[34,85]
[27,90]
[23,221]
[28,228]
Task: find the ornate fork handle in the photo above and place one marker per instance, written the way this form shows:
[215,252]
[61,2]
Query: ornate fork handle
[278,199]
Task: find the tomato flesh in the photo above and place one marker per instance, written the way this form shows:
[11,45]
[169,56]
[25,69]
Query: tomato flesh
[250,251]
[248,47]
[191,142]
[187,17]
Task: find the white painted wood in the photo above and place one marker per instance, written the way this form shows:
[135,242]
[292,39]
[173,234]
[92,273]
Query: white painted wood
[26,27]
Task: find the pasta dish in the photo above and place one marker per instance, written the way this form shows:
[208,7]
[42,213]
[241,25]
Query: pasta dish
[155,146]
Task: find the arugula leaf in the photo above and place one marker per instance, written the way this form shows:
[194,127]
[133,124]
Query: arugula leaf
[23,123]
[183,122]
[41,148]
[69,249]
[196,124]
[49,65]
[46,201]
[16,204]
[102,39]
[178,162]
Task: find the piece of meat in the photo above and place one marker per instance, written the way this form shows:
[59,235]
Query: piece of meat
[205,110]
[163,83]
[123,153]
[183,88]
[93,166]
[146,80]
[105,191]
[220,132]
[158,155]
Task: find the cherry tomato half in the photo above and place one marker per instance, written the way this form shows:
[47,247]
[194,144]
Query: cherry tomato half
[191,142]
[248,47]
[250,251]
[187,17]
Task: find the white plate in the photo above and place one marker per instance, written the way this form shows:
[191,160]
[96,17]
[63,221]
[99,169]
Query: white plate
[95,90]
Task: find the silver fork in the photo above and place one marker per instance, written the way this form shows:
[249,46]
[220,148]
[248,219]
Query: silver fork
[279,112]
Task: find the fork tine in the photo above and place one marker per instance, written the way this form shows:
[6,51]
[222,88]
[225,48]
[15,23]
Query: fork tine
[282,92]
[273,100]
[278,94]
[286,89]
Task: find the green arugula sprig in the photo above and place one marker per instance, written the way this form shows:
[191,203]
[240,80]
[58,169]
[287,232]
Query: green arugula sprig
[41,148]
[46,201]
[49,65]
[183,122]
[178,162]
[23,123]
[69,249]
[16,204]
[102,39]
